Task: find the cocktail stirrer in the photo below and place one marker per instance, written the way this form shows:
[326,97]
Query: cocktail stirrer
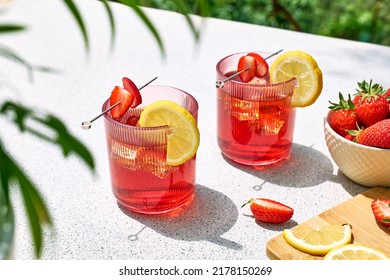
[220,84]
[87,124]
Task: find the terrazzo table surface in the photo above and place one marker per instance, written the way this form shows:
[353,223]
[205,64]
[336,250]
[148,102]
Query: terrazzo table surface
[87,221]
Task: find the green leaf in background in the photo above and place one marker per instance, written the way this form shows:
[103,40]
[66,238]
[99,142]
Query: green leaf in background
[184,10]
[7,28]
[22,117]
[38,214]
[63,138]
[133,4]
[12,55]
[111,20]
[80,22]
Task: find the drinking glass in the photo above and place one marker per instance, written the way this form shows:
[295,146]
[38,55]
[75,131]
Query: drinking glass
[255,121]
[141,180]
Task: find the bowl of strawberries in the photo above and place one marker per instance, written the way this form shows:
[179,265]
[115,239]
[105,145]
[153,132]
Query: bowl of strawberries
[357,133]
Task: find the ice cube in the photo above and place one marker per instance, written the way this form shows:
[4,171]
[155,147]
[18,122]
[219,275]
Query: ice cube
[244,110]
[153,160]
[271,119]
[258,81]
[125,154]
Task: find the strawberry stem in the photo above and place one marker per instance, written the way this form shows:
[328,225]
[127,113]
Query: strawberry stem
[248,202]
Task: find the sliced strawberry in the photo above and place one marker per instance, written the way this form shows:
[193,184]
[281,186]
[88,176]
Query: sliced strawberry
[247,62]
[125,97]
[261,65]
[270,211]
[381,210]
[241,130]
[130,86]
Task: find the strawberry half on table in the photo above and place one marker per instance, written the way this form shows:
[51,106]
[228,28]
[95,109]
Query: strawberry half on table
[269,211]
[381,210]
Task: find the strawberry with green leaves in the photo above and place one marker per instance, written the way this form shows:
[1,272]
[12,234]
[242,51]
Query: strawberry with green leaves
[343,116]
[269,211]
[381,210]
[387,96]
[377,135]
[370,103]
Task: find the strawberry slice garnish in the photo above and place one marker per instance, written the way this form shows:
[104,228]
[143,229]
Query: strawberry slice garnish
[381,210]
[270,211]
[125,98]
[261,65]
[249,63]
[131,87]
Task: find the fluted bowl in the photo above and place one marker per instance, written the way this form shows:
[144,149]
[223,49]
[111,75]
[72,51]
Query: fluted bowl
[367,166]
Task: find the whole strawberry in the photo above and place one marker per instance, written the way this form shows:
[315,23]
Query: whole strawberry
[377,135]
[370,104]
[343,117]
[387,96]
[381,210]
[269,211]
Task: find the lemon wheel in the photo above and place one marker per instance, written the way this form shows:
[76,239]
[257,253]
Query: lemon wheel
[303,67]
[183,136]
[318,241]
[355,252]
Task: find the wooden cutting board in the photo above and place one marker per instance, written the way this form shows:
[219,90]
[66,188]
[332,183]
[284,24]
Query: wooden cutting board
[356,212]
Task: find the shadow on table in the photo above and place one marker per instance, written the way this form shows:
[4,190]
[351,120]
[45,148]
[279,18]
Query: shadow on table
[208,217]
[306,167]
[350,186]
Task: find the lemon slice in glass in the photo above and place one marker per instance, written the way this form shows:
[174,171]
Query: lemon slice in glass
[355,252]
[305,69]
[318,242]
[183,137]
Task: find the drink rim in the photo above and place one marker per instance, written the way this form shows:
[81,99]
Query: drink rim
[243,84]
[193,112]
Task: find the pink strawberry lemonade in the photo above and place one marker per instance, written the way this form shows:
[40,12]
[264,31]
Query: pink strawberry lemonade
[141,180]
[254,132]
[255,122]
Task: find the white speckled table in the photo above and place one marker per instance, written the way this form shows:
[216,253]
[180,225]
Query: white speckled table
[87,221]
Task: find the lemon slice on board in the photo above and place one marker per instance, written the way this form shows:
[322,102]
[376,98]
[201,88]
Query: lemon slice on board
[318,241]
[355,252]
[305,69]
[183,138]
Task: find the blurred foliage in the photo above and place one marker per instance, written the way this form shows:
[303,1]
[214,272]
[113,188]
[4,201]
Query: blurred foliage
[360,20]
[363,20]
[44,126]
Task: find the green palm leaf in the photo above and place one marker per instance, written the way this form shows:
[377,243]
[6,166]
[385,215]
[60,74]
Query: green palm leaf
[111,20]
[38,214]
[6,28]
[80,22]
[133,4]
[12,55]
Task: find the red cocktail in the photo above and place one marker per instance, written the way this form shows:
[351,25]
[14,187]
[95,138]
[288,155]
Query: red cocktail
[142,181]
[255,121]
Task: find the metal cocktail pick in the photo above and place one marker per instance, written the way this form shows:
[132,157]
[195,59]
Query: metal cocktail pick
[220,84]
[87,124]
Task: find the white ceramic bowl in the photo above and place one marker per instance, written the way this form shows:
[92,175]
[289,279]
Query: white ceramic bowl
[364,165]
